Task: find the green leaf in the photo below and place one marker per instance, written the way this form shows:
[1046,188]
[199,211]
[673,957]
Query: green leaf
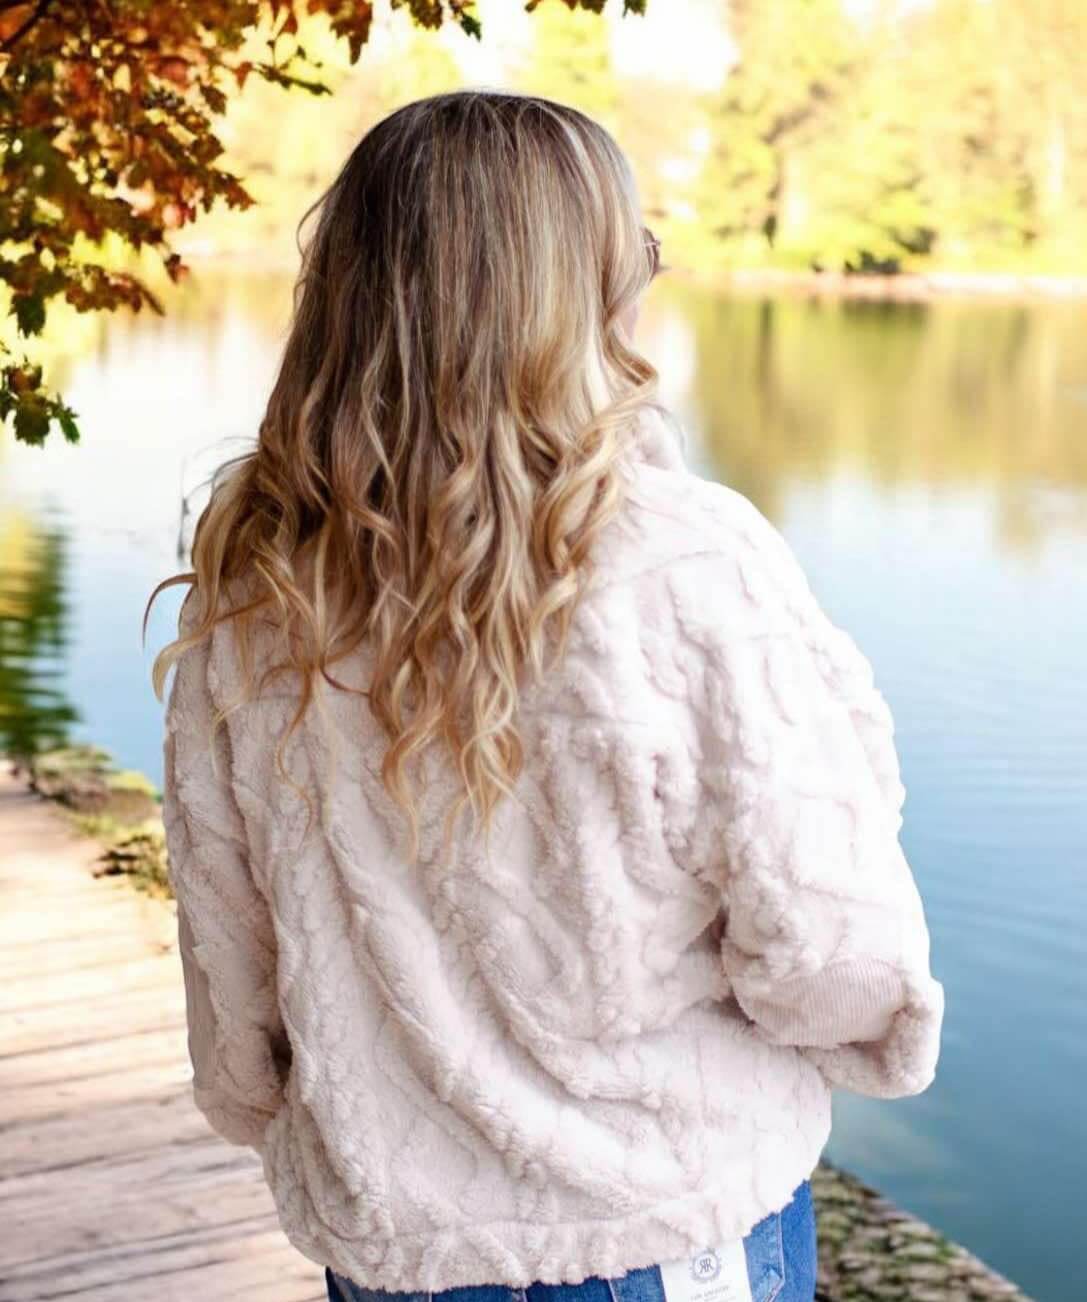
[214,98]
[66,418]
[29,312]
[31,420]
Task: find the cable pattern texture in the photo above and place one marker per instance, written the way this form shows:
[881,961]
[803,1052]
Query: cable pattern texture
[612,1040]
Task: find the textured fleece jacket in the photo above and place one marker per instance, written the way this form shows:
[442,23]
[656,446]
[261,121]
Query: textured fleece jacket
[612,1041]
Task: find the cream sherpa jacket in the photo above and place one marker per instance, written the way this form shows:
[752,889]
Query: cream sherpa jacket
[613,1041]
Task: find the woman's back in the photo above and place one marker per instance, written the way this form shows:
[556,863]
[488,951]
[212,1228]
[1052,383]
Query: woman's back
[609,1031]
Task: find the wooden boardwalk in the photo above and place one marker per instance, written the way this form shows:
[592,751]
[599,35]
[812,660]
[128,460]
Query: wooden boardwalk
[112,1185]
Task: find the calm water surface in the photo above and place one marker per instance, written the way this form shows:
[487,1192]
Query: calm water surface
[929,466]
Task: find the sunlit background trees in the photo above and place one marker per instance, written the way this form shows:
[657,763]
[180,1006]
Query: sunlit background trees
[832,134]
[829,135]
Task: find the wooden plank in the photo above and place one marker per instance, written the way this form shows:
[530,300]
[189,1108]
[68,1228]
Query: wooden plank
[113,932]
[93,953]
[96,983]
[86,1061]
[131,1126]
[110,1203]
[242,1256]
[130,1081]
[136,1010]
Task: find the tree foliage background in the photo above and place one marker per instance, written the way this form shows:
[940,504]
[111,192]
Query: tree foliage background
[953,134]
[847,137]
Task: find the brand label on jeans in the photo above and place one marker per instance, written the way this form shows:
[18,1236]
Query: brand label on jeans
[712,1275]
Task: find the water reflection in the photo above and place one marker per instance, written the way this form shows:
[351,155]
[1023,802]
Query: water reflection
[35,712]
[949,394]
[927,464]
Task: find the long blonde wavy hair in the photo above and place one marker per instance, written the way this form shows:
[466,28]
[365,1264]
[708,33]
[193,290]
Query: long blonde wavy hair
[440,446]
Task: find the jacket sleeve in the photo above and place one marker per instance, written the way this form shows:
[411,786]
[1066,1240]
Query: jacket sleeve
[226,938]
[825,943]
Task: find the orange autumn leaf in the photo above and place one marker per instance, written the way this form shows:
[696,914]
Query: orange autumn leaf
[12,19]
[174,69]
[81,80]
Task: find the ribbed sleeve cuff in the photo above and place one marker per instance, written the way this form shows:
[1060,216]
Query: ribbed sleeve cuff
[867,1025]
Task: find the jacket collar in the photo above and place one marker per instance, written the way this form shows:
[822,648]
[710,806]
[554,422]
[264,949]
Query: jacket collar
[657,438]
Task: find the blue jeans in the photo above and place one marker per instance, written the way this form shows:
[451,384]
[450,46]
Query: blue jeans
[780,1254]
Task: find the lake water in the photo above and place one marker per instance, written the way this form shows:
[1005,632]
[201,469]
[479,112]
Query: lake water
[929,466]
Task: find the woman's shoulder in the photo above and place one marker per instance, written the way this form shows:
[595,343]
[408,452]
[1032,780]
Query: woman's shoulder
[231,665]
[674,519]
